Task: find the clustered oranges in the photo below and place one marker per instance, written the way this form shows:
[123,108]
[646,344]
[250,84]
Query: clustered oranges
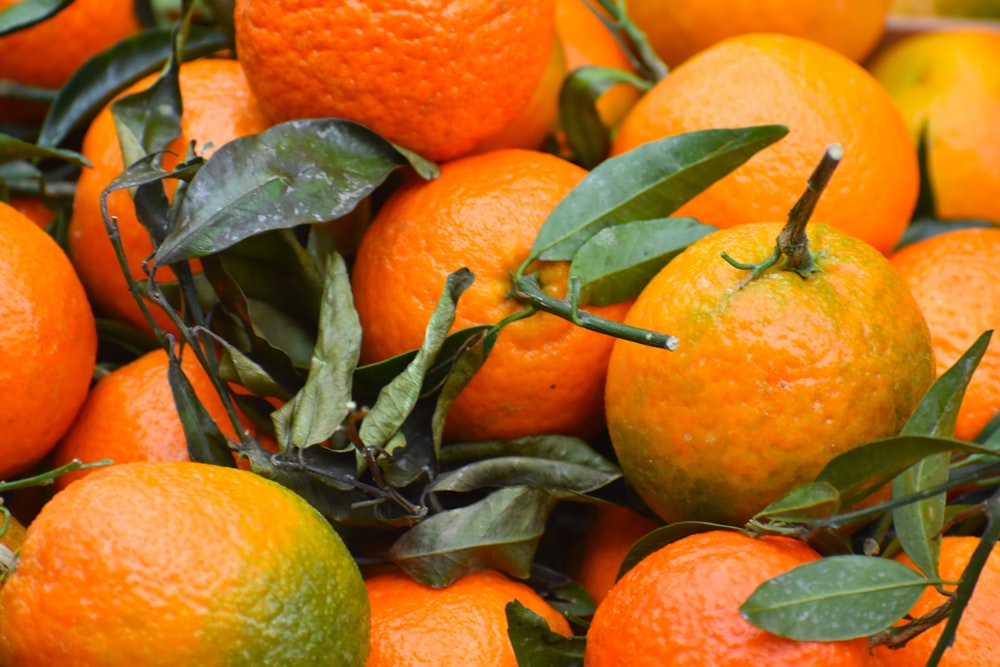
[149,557]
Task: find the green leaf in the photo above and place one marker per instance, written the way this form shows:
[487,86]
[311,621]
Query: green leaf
[13,149]
[102,77]
[564,480]
[500,532]
[658,538]
[834,598]
[303,171]
[553,447]
[650,181]
[536,645]
[816,500]
[616,263]
[206,443]
[926,205]
[27,13]
[234,366]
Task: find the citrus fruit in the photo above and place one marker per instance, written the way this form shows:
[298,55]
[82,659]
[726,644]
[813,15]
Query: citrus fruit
[952,276]
[615,529]
[48,343]
[544,374]
[977,635]
[130,415]
[770,380]
[437,79]
[823,98]
[979,9]
[679,607]
[218,108]
[946,87]
[182,564]
[35,209]
[465,623]
[678,29]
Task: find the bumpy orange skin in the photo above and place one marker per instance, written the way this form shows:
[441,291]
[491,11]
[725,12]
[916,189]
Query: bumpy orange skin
[182,564]
[978,635]
[679,607]
[770,381]
[945,85]
[544,374]
[463,624]
[823,98]
[48,343]
[435,78]
[956,282]
[218,108]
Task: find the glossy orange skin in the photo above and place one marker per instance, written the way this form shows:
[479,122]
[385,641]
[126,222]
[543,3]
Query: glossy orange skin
[679,607]
[823,98]
[414,625]
[218,108]
[48,343]
[945,82]
[956,282]
[770,381]
[435,78]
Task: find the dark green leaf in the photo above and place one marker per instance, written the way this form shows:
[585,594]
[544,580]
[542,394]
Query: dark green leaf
[816,500]
[926,206]
[834,598]
[553,447]
[234,366]
[536,645]
[148,120]
[461,368]
[650,181]
[925,228]
[13,149]
[205,441]
[500,532]
[27,13]
[303,171]
[658,538]
[616,263]
[562,479]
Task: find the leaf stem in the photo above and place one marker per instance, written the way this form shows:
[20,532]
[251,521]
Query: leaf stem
[642,55]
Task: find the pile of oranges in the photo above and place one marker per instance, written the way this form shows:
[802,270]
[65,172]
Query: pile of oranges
[335,344]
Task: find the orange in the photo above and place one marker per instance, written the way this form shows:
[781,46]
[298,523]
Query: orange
[437,79]
[946,86]
[414,625]
[770,381]
[678,29]
[609,538]
[35,209]
[544,374]
[977,636]
[956,282]
[182,564]
[679,607]
[48,343]
[823,98]
[218,108]
[130,415]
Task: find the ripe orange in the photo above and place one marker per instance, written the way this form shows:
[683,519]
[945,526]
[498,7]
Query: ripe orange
[678,29]
[130,415]
[35,209]
[48,343]
[544,375]
[437,79]
[956,282]
[182,564]
[463,624]
[946,86]
[770,381]
[218,108]
[609,538]
[977,636]
[823,98]
[679,607]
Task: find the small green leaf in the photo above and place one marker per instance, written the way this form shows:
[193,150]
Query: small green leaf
[500,532]
[206,443]
[536,645]
[816,500]
[13,149]
[835,598]
[234,366]
[562,479]
[553,447]
[616,263]
[303,171]
[650,181]
[658,538]
[27,13]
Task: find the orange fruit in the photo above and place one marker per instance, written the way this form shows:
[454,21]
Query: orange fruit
[953,277]
[436,79]
[977,635]
[130,415]
[824,98]
[945,85]
[678,29]
[614,532]
[218,108]
[770,381]
[679,607]
[48,343]
[462,624]
[35,209]
[544,374]
[182,564]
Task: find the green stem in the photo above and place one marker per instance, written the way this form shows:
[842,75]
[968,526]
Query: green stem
[48,477]
[642,55]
